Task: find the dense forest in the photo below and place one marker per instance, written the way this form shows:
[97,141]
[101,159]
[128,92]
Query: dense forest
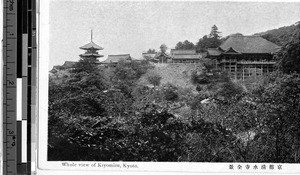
[98,113]
[281,35]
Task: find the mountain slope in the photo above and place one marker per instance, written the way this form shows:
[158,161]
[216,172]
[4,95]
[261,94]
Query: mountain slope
[279,36]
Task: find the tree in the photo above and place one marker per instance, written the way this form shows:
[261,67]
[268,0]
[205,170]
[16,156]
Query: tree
[289,55]
[163,48]
[126,74]
[279,110]
[271,38]
[214,37]
[213,40]
[214,33]
[87,65]
[186,45]
[154,79]
[151,51]
[170,92]
[203,44]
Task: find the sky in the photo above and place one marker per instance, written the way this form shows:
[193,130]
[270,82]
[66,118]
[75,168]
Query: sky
[132,27]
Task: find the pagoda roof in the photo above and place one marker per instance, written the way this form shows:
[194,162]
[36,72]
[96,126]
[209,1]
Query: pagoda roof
[91,45]
[248,44]
[90,54]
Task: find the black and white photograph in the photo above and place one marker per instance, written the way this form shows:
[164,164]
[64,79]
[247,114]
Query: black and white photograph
[173,81]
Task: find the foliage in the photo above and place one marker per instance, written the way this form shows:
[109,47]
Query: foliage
[186,45]
[209,77]
[213,40]
[170,92]
[280,36]
[289,55]
[151,51]
[280,108]
[154,79]
[163,48]
[270,37]
[126,74]
[214,33]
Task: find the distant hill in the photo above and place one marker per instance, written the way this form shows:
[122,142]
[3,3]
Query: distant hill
[279,36]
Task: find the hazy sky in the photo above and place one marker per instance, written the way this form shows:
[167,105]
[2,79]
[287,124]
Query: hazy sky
[134,27]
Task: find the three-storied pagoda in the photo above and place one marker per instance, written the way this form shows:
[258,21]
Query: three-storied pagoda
[91,50]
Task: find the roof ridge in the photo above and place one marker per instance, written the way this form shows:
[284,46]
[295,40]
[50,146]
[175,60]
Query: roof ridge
[183,49]
[120,54]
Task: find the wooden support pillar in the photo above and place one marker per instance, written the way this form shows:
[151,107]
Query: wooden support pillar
[236,71]
[243,75]
[255,71]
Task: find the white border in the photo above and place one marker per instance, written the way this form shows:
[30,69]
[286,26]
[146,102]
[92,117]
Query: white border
[1,82]
[43,61]
[55,167]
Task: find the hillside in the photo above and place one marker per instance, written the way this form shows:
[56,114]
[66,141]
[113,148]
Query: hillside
[279,36]
[177,74]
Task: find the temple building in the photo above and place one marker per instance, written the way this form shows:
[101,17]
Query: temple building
[244,56]
[162,57]
[114,59]
[148,56]
[91,50]
[185,56]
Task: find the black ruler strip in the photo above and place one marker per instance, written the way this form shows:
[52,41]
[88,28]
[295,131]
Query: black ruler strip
[24,15]
[31,86]
[19,39]
[30,4]
[29,101]
[19,143]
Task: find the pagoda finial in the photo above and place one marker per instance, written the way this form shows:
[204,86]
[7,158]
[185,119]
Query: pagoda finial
[91,34]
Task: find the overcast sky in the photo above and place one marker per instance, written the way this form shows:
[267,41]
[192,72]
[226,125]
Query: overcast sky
[134,27]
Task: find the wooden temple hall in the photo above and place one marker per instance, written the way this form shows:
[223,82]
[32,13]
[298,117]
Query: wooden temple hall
[245,56]
[185,56]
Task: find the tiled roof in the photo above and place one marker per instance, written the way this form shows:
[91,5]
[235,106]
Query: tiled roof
[91,45]
[69,64]
[151,55]
[198,56]
[117,58]
[249,44]
[183,52]
[91,54]
[161,54]
[214,51]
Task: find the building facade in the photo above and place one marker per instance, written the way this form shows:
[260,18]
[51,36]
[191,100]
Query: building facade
[113,60]
[244,56]
[162,57]
[185,56]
